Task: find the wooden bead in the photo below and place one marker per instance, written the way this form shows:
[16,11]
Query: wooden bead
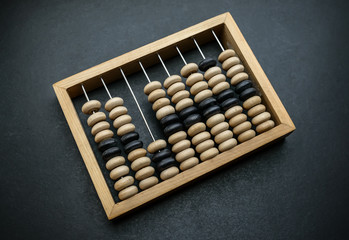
[198,87]
[152,86]
[205,145]
[164,111]
[216,79]
[102,135]
[194,78]
[174,88]
[140,163]
[199,138]
[256,110]
[214,120]
[148,182]
[263,127]
[251,102]
[238,78]
[223,136]
[220,87]
[127,192]
[185,154]
[213,71]
[113,103]
[228,144]
[122,120]
[202,95]
[173,128]
[144,173]
[169,173]
[181,145]
[238,68]
[196,128]
[156,146]
[104,125]
[242,127]
[156,94]
[119,172]
[260,118]
[189,69]
[230,62]
[117,112]
[135,154]
[245,136]
[161,102]
[184,103]
[179,96]
[171,80]
[114,162]
[189,163]
[91,106]
[219,128]
[208,154]
[95,118]
[240,118]
[124,129]
[232,112]
[123,183]
[226,54]
[178,136]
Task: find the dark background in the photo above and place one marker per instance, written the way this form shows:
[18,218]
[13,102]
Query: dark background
[296,189]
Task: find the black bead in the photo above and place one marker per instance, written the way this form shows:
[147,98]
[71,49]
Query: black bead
[110,153]
[246,94]
[108,143]
[207,102]
[191,120]
[210,111]
[133,145]
[173,128]
[230,102]
[172,118]
[207,63]
[165,153]
[228,93]
[129,137]
[166,163]
[243,86]
[187,111]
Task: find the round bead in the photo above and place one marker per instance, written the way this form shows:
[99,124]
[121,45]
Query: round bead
[187,112]
[242,127]
[103,135]
[95,118]
[199,138]
[202,95]
[251,102]
[151,87]
[207,103]
[226,54]
[161,102]
[169,173]
[189,69]
[198,87]
[238,78]
[236,120]
[184,103]
[135,154]
[196,128]
[117,112]
[140,163]
[104,125]
[256,110]
[216,79]
[232,112]
[176,137]
[132,146]
[169,119]
[223,136]
[119,172]
[156,94]
[239,88]
[179,96]
[207,63]
[228,144]
[132,136]
[166,163]
[115,162]
[165,153]
[213,71]
[208,154]
[173,128]
[263,127]
[164,111]
[225,95]
[144,173]
[248,93]
[210,111]
[127,192]
[238,68]
[110,153]
[113,103]
[108,143]
[124,129]
[220,127]
[148,182]
[230,62]
[191,120]
[122,120]
[185,154]
[181,145]
[194,78]
[229,103]
[123,183]
[91,106]
[171,80]
[260,118]
[220,87]
[243,137]
[189,163]
[174,88]
[156,146]
[202,147]
[214,120]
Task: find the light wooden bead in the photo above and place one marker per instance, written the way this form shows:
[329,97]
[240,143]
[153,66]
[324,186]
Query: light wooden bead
[117,112]
[123,183]
[119,172]
[198,87]
[238,68]
[199,138]
[189,69]
[220,87]
[151,87]
[162,102]
[213,71]
[214,120]
[95,118]
[176,137]
[189,163]
[104,125]
[156,146]
[205,145]
[185,154]
[137,153]
[144,173]
[127,128]
[223,136]
[113,103]
[140,163]
[179,96]
[226,54]
[251,102]
[208,154]
[228,144]
[194,78]
[233,111]
[169,173]
[245,136]
[164,111]
[230,62]
[260,118]
[202,95]
[181,145]
[115,162]
[148,182]
[216,79]
[174,88]
[122,120]
[184,103]
[127,192]
[236,120]
[242,127]
[102,135]
[196,128]
[238,78]
[91,106]
[263,127]
[171,80]
[156,94]
[256,110]
[219,128]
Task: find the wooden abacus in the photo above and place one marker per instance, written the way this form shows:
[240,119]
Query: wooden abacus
[207,126]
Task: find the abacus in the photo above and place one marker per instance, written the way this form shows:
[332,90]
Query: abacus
[210,115]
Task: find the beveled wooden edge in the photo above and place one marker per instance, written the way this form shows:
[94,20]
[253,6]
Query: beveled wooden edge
[84,148]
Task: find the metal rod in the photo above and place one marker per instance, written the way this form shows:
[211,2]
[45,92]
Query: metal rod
[219,43]
[139,108]
[145,73]
[83,89]
[106,89]
[163,64]
[180,54]
[197,45]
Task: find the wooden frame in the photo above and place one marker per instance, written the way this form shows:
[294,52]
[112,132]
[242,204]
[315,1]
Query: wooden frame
[230,35]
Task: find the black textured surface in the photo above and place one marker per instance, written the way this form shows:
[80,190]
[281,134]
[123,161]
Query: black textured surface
[296,189]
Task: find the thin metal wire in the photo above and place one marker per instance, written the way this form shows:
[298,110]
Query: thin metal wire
[180,54]
[145,73]
[106,89]
[219,43]
[197,45]
[163,64]
[139,108]
[83,89]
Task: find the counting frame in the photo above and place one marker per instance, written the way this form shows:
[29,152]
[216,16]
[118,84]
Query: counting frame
[231,37]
